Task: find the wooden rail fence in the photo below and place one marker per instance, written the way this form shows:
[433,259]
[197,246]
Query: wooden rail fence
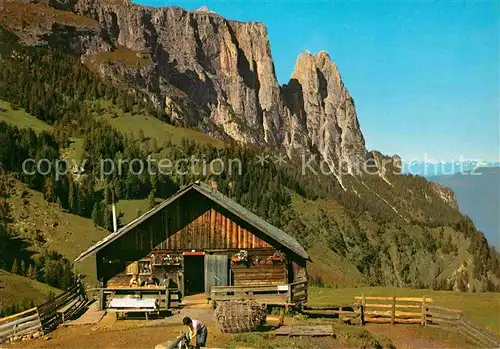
[46,317]
[455,320]
[412,310]
[288,294]
[21,324]
[348,314]
[403,310]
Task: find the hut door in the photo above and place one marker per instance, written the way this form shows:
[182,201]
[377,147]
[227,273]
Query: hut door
[216,271]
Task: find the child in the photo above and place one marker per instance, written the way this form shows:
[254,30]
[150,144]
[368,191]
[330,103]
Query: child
[197,329]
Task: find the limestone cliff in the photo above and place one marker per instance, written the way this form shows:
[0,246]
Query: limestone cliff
[218,75]
[322,104]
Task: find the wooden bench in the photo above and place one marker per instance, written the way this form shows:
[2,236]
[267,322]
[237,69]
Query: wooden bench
[69,309]
[133,305]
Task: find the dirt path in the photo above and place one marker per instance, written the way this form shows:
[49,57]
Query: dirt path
[111,333]
[410,337]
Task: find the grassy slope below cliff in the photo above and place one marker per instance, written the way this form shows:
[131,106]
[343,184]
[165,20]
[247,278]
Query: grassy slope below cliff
[410,255]
[21,291]
[47,227]
[150,126]
[20,118]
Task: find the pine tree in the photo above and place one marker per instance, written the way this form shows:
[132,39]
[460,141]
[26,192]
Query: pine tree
[15,267]
[141,135]
[22,271]
[151,200]
[108,218]
[72,196]
[154,145]
[67,277]
[31,272]
[97,214]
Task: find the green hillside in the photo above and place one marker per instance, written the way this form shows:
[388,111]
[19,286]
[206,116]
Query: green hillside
[151,127]
[47,227]
[22,291]
[20,118]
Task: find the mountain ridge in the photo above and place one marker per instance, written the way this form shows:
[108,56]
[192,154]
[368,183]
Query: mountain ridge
[218,75]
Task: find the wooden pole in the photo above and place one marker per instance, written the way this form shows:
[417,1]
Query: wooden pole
[223,230]
[393,310]
[234,243]
[245,238]
[363,302]
[422,322]
[101,298]
[282,317]
[212,228]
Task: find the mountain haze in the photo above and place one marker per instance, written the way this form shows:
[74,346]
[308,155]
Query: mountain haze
[478,194]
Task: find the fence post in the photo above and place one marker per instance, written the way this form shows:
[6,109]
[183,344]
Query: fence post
[393,310]
[422,321]
[40,320]
[168,297]
[363,302]
[101,299]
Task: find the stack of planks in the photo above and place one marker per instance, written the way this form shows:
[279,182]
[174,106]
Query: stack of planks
[260,275]
[312,331]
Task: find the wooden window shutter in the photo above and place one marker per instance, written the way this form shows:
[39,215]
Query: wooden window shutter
[132,268]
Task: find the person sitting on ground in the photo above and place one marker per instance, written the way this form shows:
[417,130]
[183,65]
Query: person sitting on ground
[197,329]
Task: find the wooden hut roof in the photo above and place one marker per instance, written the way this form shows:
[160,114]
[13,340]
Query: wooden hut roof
[274,233]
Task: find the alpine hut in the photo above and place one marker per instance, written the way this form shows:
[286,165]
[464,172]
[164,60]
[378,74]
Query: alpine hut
[200,242]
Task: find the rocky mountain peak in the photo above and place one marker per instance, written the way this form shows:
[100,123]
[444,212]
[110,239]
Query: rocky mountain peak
[328,110]
[218,75]
[205,9]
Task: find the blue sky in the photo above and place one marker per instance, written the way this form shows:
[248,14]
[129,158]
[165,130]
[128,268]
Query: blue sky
[424,75]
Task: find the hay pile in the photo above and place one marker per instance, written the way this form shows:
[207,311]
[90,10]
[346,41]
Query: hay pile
[239,316]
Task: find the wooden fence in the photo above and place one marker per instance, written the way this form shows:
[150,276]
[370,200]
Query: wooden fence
[289,294]
[455,320]
[411,310]
[348,314]
[407,310]
[46,317]
[21,324]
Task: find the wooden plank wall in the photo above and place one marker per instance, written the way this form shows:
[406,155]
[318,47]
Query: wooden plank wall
[212,230]
[191,222]
[260,275]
